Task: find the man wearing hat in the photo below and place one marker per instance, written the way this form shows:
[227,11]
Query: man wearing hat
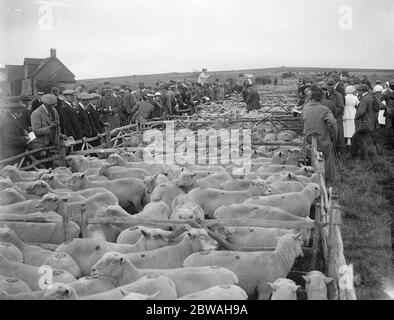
[158,110]
[252,98]
[109,108]
[83,116]
[13,137]
[69,121]
[365,121]
[318,120]
[387,100]
[45,123]
[37,102]
[59,102]
[119,94]
[144,109]
[129,103]
[141,91]
[335,102]
[97,124]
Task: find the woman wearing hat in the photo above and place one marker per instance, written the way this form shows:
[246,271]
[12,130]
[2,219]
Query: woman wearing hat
[351,102]
[13,137]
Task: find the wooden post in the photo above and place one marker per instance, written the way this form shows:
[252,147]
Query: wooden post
[108,135]
[64,212]
[316,236]
[84,225]
[62,154]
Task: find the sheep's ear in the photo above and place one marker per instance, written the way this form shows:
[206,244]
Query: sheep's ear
[194,174]
[307,278]
[145,233]
[298,236]
[124,292]
[153,296]
[188,227]
[272,286]
[328,280]
[295,288]
[82,175]
[122,260]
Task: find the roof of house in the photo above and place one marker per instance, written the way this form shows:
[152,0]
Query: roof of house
[14,72]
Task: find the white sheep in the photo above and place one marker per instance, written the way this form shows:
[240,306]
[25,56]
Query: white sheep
[315,285]
[223,292]
[187,280]
[254,269]
[13,285]
[283,289]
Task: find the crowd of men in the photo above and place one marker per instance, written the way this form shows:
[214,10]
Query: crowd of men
[346,107]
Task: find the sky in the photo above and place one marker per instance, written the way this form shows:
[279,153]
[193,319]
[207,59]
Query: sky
[109,38]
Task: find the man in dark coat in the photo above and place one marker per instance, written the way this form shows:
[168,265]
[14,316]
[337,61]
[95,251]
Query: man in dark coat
[25,119]
[158,107]
[335,102]
[143,109]
[129,103]
[69,121]
[13,138]
[109,108]
[98,125]
[59,102]
[318,120]
[365,121]
[252,99]
[387,100]
[37,102]
[84,121]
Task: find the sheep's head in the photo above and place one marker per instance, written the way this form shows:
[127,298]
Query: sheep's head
[48,202]
[283,289]
[104,169]
[9,235]
[10,172]
[114,159]
[292,242]
[202,239]
[315,285]
[280,157]
[313,190]
[77,163]
[111,211]
[149,182]
[60,291]
[259,188]
[76,180]
[112,265]
[38,188]
[307,171]
[5,183]
[48,178]
[186,180]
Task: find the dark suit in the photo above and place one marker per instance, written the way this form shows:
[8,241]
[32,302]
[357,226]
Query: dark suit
[12,137]
[83,117]
[95,121]
[69,122]
[252,100]
[35,104]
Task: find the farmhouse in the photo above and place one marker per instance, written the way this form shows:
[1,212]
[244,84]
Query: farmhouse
[25,79]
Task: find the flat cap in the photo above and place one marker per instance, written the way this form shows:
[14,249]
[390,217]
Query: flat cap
[362,87]
[94,96]
[69,92]
[149,96]
[331,82]
[116,88]
[49,99]
[84,96]
[107,88]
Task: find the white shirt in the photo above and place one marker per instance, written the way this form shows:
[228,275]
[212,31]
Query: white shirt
[202,78]
[82,106]
[351,100]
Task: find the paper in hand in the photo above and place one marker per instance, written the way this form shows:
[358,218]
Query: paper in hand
[32,137]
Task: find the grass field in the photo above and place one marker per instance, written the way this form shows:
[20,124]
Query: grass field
[367,201]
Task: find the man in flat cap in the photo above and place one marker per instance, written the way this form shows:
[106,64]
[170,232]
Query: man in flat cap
[69,121]
[318,120]
[98,126]
[37,102]
[83,116]
[109,108]
[365,121]
[13,137]
[45,123]
[143,109]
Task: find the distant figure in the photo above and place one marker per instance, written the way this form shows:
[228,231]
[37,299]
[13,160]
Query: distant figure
[69,121]
[26,113]
[37,102]
[144,109]
[84,120]
[387,100]
[203,78]
[365,123]
[351,102]
[97,124]
[252,98]
[109,108]
[318,120]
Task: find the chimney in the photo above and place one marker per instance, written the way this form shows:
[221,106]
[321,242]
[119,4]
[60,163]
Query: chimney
[53,53]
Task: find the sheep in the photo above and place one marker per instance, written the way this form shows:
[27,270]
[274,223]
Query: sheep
[184,208]
[236,185]
[36,232]
[20,176]
[186,181]
[6,183]
[50,202]
[10,196]
[13,285]
[133,234]
[254,269]
[277,168]
[11,252]
[62,170]
[129,191]
[252,211]
[172,256]
[286,157]
[37,256]
[79,163]
[296,203]
[55,181]
[222,292]
[107,171]
[92,284]
[187,280]
[30,274]
[301,171]
[315,285]
[283,289]
[284,136]
[165,192]
[211,199]
[29,295]
[139,296]
[195,167]
[155,210]
[286,187]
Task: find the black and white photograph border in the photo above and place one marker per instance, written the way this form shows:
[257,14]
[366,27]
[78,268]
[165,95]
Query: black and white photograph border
[201,150]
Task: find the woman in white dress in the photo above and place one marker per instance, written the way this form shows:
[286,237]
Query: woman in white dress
[351,101]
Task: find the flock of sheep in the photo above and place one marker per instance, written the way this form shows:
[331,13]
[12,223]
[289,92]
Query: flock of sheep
[181,262]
